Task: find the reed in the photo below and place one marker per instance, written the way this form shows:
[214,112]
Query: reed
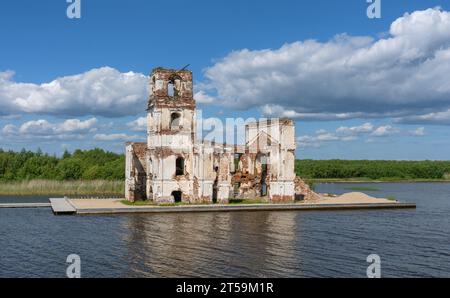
[63,188]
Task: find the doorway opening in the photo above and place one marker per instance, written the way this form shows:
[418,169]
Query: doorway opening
[215,185]
[299,197]
[263,161]
[177,196]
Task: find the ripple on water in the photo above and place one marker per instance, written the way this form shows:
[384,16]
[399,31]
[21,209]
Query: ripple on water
[242,244]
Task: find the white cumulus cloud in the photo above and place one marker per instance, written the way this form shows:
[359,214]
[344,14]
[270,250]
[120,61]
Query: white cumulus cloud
[116,137]
[348,134]
[438,118]
[385,131]
[419,132]
[104,91]
[405,74]
[354,130]
[140,124]
[71,128]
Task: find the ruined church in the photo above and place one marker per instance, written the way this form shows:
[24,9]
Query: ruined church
[174,166]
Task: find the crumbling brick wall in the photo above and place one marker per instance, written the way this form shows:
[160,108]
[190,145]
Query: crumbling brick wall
[136,172]
[303,189]
[266,163]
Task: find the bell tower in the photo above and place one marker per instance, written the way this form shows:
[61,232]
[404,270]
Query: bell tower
[171,108]
[171,135]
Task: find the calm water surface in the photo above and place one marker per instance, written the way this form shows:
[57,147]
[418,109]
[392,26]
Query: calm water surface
[35,243]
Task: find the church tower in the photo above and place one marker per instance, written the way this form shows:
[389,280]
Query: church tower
[171,136]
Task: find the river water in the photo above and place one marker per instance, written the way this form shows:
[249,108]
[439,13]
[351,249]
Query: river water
[410,243]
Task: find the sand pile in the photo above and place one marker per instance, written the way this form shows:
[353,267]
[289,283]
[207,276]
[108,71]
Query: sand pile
[353,198]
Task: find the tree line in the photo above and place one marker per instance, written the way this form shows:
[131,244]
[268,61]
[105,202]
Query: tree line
[372,169]
[98,164]
[81,164]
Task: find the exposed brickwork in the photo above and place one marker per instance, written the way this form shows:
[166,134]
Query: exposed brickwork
[282,199]
[301,188]
[265,168]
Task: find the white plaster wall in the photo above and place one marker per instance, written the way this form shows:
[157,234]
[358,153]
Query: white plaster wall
[180,141]
[288,137]
[204,166]
[282,188]
[224,192]
[205,188]
[273,130]
[288,161]
[129,181]
[162,190]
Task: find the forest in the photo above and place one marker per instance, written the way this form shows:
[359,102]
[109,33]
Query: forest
[97,164]
[386,170]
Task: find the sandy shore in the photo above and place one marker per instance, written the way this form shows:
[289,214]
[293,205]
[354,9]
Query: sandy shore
[352,198]
[102,203]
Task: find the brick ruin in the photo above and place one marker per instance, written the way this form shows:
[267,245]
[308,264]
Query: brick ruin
[173,166]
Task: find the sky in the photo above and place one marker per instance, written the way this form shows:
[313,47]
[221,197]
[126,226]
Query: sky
[357,88]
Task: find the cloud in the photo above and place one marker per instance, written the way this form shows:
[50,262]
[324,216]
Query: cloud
[419,132]
[355,130]
[385,131]
[116,137]
[323,136]
[438,118]
[78,126]
[347,134]
[10,129]
[103,91]
[404,74]
[139,124]
[71,128]
[10,117]
[202,97]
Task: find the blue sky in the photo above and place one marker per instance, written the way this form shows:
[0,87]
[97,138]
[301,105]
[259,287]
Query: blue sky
[67,83]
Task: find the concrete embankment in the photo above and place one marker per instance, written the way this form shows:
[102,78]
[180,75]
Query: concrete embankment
[349,201]
[25,205]
[116,206]
[252,207]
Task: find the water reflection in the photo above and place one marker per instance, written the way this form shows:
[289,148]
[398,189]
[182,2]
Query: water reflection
[236,244]
[191,244]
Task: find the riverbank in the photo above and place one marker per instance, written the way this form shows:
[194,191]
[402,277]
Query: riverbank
[62,188]
[383,180]
[115,188]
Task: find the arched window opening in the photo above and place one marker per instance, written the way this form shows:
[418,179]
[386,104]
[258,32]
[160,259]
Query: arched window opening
[171,88]
[179,164]
[175,121]
[173,85]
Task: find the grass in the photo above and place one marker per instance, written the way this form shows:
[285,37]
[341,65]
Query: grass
[363,188]
[150,203]
[176,204]
[391,198]
[137,203]
[247,201]
[63,188]
[232,201]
